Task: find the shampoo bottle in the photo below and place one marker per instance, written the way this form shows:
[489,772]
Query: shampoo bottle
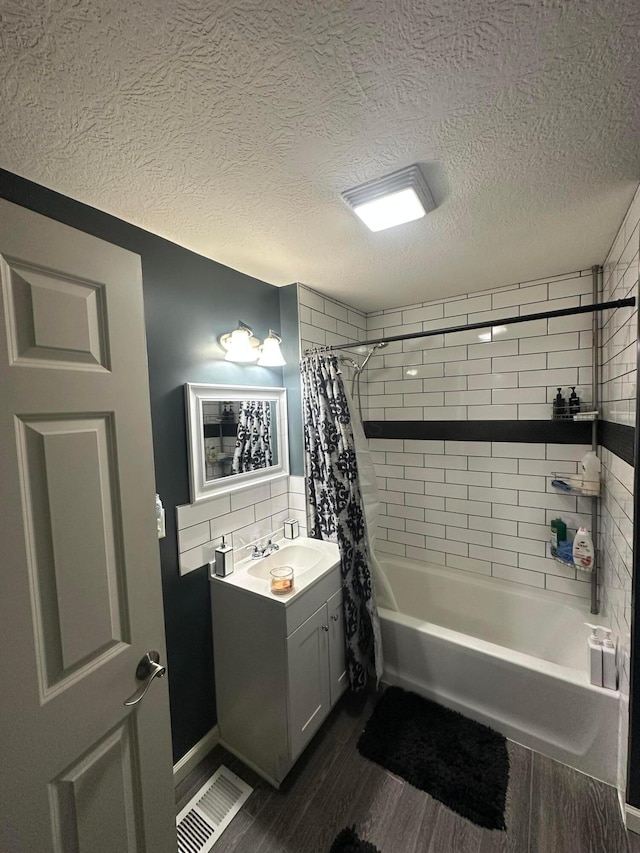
[595,656]
[609,668]
[583,550]
[574,402]
[559,405]
[558,532]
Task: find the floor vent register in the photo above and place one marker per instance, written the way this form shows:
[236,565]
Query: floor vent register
[210,811]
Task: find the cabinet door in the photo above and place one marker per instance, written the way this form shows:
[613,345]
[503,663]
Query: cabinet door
[308,672]
[338,680]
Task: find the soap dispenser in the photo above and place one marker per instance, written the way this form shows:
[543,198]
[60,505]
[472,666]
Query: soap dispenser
[574,402]
[609,668]
[559,406]
[595,655]
[222,560]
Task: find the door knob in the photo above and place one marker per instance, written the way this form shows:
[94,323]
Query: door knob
[148,668]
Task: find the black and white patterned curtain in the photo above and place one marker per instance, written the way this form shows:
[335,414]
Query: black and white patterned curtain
[336,510]
[253,444]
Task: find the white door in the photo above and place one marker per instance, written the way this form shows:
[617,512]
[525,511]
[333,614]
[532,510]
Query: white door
[308,668]
[80,594]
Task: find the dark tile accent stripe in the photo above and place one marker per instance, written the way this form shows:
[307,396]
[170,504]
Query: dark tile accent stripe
[535,432]
[213,430]
[619,439]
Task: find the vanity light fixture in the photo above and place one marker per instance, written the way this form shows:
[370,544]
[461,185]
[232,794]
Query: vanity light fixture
[271,354]
[240,345]
[392,200]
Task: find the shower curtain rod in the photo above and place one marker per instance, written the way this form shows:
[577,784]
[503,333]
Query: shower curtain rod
[501,321]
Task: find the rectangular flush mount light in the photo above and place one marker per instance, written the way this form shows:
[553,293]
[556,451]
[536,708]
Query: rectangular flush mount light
[399,197]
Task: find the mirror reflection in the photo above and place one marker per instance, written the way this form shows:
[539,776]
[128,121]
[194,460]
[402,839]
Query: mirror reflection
[239,436]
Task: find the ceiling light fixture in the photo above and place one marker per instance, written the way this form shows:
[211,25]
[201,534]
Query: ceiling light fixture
[271,354]
[392,200]
[240,345]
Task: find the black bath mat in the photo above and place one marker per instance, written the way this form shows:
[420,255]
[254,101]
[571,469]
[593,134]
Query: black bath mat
[348,842]
[461,763]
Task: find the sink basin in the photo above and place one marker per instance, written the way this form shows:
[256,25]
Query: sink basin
[301,558]
[309,558]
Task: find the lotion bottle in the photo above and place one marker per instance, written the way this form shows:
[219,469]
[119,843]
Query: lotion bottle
[609,668]
[595,656]
[583,550]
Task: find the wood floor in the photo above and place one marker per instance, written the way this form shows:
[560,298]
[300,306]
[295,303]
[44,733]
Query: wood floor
[550,808]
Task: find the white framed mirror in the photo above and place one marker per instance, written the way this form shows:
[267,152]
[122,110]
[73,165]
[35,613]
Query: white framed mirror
[237,436]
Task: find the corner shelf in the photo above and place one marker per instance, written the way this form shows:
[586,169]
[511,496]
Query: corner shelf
[578,416]
[571,489]
[569,563]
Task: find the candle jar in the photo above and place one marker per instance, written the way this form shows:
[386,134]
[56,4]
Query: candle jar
[281,580]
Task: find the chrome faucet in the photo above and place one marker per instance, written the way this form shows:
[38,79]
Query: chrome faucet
[257,553]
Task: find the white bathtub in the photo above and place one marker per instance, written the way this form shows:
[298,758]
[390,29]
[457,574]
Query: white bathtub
[513,660]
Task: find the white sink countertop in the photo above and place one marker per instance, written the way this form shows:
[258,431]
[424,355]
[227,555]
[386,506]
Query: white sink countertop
[310,559]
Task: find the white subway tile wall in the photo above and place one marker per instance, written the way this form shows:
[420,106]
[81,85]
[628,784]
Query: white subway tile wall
[507,372]
[481,507]
[619,327]
[325,322]
[618,404]
[244,517]
[478,506]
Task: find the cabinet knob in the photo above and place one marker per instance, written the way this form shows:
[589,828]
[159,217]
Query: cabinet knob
[325,627]
[335,617]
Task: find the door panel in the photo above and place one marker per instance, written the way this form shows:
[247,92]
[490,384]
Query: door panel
[80,596]
[307,651]
[74,553]
[53,320]
[338,680]
[101,787]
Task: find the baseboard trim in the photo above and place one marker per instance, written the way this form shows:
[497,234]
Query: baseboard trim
[632,818]
[195,755]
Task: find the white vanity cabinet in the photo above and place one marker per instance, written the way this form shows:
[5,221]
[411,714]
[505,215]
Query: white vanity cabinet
[316,670]
[279,669]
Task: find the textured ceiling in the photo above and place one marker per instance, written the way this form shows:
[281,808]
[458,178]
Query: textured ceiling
[232,127]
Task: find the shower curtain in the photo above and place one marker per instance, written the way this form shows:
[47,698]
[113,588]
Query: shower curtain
[336,510]
[253,444]
[371,500]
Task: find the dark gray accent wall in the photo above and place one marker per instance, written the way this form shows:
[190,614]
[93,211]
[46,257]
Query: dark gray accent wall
[189,300]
